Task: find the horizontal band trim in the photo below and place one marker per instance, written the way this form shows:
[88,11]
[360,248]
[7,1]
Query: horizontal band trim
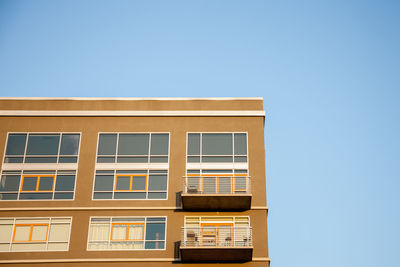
[131,98]
[109,260]
[133,113]
[104,208]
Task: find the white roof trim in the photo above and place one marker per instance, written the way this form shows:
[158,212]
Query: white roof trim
[131,98]
[133,113]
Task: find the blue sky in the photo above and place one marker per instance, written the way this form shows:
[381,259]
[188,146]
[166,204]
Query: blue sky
[329,72]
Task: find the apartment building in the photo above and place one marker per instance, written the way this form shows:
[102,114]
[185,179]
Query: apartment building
[132,182]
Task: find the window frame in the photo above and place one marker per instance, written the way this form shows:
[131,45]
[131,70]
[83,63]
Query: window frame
[127,232]
[46,242]
[145,172]
[37,183]
[200,155]
[130,182]
[56,173]
[42,163]
[149,149]
[145,222]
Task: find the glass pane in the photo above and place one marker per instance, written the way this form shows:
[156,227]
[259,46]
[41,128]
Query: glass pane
[43,144]
[16,144]
[157,195]
[104,183]
[6,231]
[159,144]
[123,183]
[46,183]
[63,195]
[135,232]
[8,196]
[35,195]
[13,159]
[139,183]
[69,144]
[65,183]
[102,196]
[155,231]
[193,159]
[59,232]
[9,183]
[157,182]
[29,183]
[68,160]
[105,159]
[217,159]
[41,160]
[133,144]
[99,232]
[129,195]
[119,232]
[240,144]
[107,144]
[193,144]
[217,144]
[158,159]
[240,159]
[39,232]
[155,244]
[22,232]
[57,246]
[132,159]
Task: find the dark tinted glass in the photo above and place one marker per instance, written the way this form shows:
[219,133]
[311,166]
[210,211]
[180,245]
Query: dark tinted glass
[13,159]
[133,144]
[65,182]
[139,183]
[129,195]
[16,144]
[155,231]
[69,144]
[193,144]
[158,159]
[41,159]
[104,183]
[217,144]
[29,183]
[102,196]
[240,144]
[8,196]
[43,144]
[63,195]
[68,159]
[107,144]
[10,182]
[35,195]
[46,183]
[157,182]
[159,144]
[154,245]
[157,195]
[123,183]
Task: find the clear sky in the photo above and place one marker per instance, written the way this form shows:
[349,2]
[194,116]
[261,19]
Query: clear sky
[329,72]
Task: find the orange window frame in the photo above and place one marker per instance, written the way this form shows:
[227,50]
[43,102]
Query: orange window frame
[127,232]
[30,232]
[131,182]
[217,176]
[37,183]
[216,231]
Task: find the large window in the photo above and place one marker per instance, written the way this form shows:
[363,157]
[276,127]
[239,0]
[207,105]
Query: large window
[130,184]
[42,148]
[133,148]
[37,185]
[217,147]
[126,233]
[34,234]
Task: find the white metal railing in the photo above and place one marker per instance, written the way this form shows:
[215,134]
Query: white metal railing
[216,236]
[216,184]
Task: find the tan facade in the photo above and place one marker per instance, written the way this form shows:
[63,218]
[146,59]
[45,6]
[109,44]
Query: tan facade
[91,117]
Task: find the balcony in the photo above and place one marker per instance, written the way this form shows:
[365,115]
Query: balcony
[216,243]
[216,192]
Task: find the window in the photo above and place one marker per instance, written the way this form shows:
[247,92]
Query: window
[42,148]
[217,231]
[130,184]
[34,234]
[217,182]
[217,147]
[126,233]
[37,185]
[133,148]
